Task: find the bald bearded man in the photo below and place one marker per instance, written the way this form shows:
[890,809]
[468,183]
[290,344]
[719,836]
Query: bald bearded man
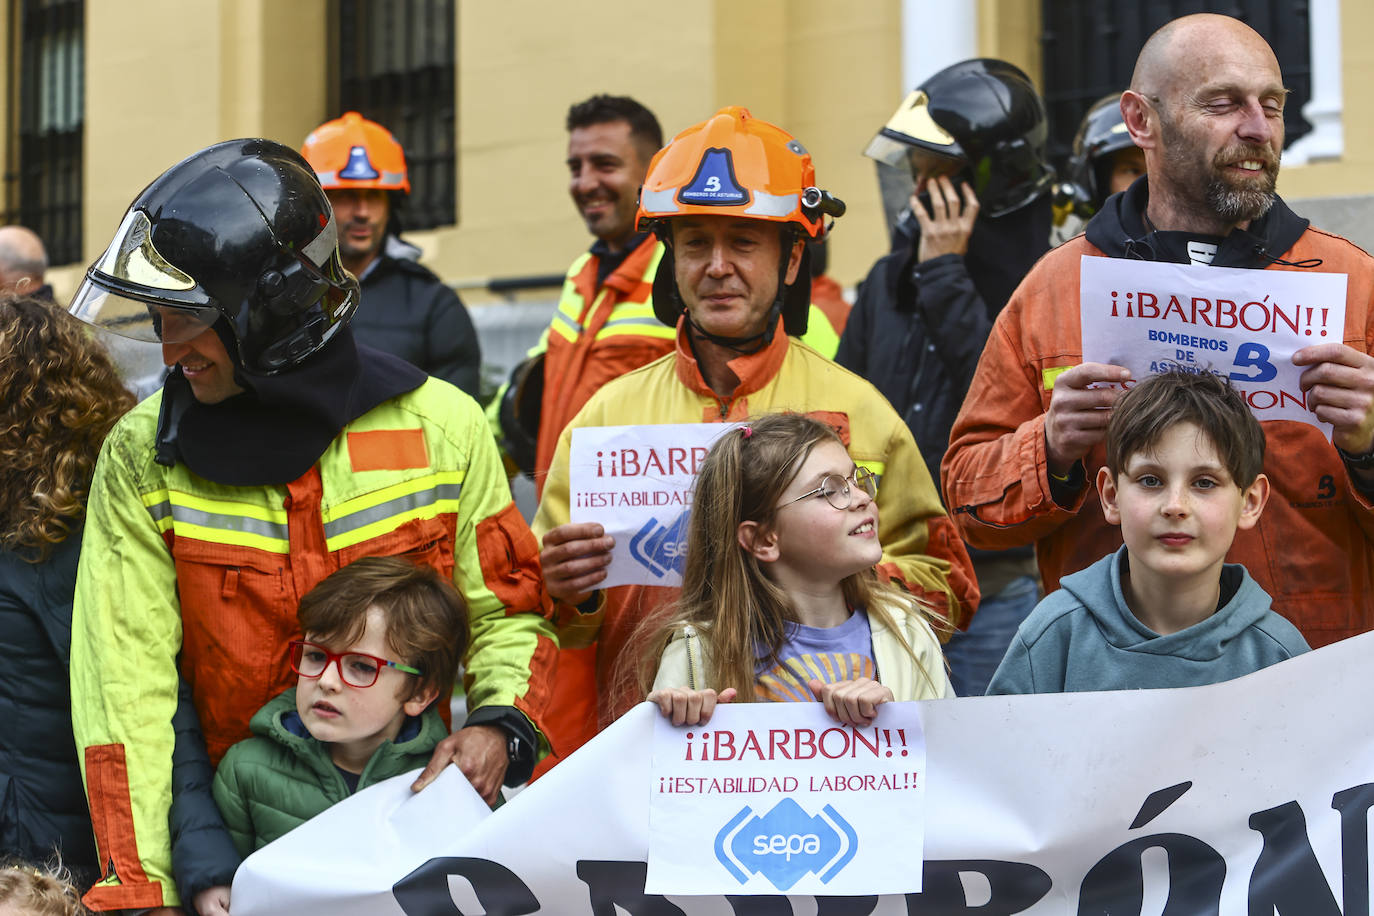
[1206,106]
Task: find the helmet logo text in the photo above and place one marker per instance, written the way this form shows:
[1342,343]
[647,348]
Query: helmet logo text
[714,184]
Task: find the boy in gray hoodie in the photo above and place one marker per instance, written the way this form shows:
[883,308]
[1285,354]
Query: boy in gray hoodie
[1182,475]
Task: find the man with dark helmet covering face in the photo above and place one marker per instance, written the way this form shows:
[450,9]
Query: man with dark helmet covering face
[277,452]
[973,136]
[1206,104]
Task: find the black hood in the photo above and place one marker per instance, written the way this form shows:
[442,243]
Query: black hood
[1119,231]
[281,424]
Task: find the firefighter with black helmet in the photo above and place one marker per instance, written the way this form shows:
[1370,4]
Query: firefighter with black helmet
[734,200]
[973,136]
[405,310]
[277,451]
[1104,161]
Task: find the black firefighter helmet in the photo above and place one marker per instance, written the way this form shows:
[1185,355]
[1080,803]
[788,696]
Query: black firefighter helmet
[986,114]
[1101,135]
[240,231]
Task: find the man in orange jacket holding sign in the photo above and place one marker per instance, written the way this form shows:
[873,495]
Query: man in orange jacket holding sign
[1206,105]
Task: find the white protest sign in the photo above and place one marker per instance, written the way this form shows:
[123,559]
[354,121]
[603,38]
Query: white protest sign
[636,482]
[1243,325]
[1251,796]
[748,807]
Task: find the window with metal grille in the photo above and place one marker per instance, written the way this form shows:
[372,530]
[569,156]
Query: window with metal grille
[43,186]
[1090,47]
[395,64]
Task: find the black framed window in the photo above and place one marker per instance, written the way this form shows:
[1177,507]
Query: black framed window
[1090,46]
[395,64]
[44,183]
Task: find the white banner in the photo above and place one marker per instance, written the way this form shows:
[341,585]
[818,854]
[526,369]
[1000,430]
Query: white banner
[1249,796]
[1244,325]
[636,482]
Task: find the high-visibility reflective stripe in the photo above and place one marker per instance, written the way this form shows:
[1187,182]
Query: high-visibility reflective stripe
[571,306]
[766,204]
[564,326]
[656,202]
[639,327]
[219,521]
[376,513]
[349,523]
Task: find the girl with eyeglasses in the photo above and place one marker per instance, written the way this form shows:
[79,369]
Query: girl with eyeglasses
[780,600]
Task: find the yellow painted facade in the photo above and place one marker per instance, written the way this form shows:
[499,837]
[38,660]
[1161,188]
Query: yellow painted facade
[167,77]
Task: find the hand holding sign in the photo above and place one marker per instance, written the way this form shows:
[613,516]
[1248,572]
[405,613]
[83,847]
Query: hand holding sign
[684,706]
[1078,415]
[1340,391]
[853,702]
[479,751]
[574,560]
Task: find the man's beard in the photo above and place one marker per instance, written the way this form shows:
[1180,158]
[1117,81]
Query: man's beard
[1231,203]
[1253,197]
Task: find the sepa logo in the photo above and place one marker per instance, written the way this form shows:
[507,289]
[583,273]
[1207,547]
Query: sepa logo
[661,549]
[714,184]
[785,844]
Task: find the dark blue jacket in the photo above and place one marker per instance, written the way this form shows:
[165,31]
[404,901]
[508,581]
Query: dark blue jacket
[917,329]
[408,312]
[42,802]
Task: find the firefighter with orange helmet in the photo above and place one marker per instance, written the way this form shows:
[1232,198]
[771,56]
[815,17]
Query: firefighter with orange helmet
[406,310]
[734,200]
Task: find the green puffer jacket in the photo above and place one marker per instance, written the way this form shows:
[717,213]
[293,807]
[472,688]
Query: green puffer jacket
[269,784]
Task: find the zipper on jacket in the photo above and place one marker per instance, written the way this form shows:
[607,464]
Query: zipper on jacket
[689,633]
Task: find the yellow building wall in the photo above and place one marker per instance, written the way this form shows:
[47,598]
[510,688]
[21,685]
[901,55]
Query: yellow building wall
[826,72]
[165,78]
[168,77]
[1350,175]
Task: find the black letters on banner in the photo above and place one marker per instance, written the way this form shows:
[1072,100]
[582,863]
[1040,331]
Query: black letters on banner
[424,892]
[612,884]
[1286,879]
[1116,884]
[1016,886]
[1287,876]
[1354,804]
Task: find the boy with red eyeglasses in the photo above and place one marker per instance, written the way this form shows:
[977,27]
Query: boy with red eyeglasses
[383,639]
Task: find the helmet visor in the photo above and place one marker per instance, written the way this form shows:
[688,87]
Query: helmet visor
[911,125]
[139,320]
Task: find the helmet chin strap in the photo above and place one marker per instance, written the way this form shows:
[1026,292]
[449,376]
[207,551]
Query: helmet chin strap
[755,342]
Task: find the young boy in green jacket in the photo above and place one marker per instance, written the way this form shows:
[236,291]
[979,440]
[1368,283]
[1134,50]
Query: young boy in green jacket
[383,639]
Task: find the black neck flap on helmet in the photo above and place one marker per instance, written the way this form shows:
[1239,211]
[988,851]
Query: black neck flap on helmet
[240,237]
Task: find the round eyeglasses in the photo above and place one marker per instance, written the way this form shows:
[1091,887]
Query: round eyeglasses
[357,669]
[836,489]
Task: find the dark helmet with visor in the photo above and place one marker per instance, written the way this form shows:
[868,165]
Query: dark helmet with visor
[240,231]
[1102,134]
[985,117]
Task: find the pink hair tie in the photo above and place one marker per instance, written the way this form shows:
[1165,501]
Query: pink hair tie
[747,431]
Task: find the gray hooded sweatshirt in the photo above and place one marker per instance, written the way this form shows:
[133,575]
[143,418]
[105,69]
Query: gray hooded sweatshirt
[1084,637]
